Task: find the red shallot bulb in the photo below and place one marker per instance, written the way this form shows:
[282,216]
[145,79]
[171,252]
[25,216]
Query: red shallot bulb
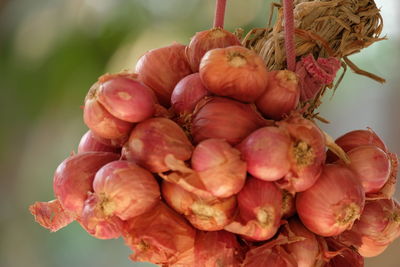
[161,69]
[160,236]
[306,251]
[100,121]
[266,152]
[187,93]
[333,203]
[281,95]
[225,119]
[153,139]
[125,97]
[378,226]
[211,215]
[219,167]
[91,143]
[234,71]
[355,139]
[306,154]
[260,210]
[125,189]
[371,165]
[74,177]
[122,190]
[207,40]
[99,223]
[218,248]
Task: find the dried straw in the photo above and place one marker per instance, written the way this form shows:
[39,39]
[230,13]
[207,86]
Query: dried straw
[324,28]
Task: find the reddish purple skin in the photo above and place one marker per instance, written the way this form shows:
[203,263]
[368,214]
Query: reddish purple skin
[74,177]
[126,99]
[161,69]
[187,93]
[90,143]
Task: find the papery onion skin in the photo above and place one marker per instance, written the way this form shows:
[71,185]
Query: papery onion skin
[125,189]
[126,98]
[215,120]
[270,254]
[307,153]
[266,152]
[306,252]
[51,215]
[187,93]
[378,226]
[281,95]
[220,167]
[202,214]
[207,40]
[345,256]
[153,139]
[371,165]
[73,178]
[97,223]
[333,203]
[234,71]
[260,210]
[354,139]
[161,69]
[218,248]
[90,143]
[160,236]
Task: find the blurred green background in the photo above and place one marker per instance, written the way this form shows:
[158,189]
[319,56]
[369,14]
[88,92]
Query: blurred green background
[51,51]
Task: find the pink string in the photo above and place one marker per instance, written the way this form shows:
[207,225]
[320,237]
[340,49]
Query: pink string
[289,34]
[219,13]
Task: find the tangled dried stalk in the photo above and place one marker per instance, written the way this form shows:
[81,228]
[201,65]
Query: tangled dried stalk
[324,28]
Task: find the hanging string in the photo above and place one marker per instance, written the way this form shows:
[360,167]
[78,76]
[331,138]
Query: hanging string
[289,34]
[219,15]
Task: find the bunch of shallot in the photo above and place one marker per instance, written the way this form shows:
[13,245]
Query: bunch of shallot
[204,157]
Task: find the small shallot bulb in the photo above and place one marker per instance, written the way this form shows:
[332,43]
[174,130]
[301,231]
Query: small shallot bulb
[160,236]
[260,210]
[217,248]
[153,139]
[187,93]
[125,97]
[207,40]
[202,214]
[307,251]
[219,167]
[378,226]
[97,222]
[234,71]
[266,152]
[90,143]
[371,165]
[125,189]
[161,69]
[306,154]
[225,119]
[333,203]
[355,139]
[122,190]
[74,177]
[100,121]
[281,95]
